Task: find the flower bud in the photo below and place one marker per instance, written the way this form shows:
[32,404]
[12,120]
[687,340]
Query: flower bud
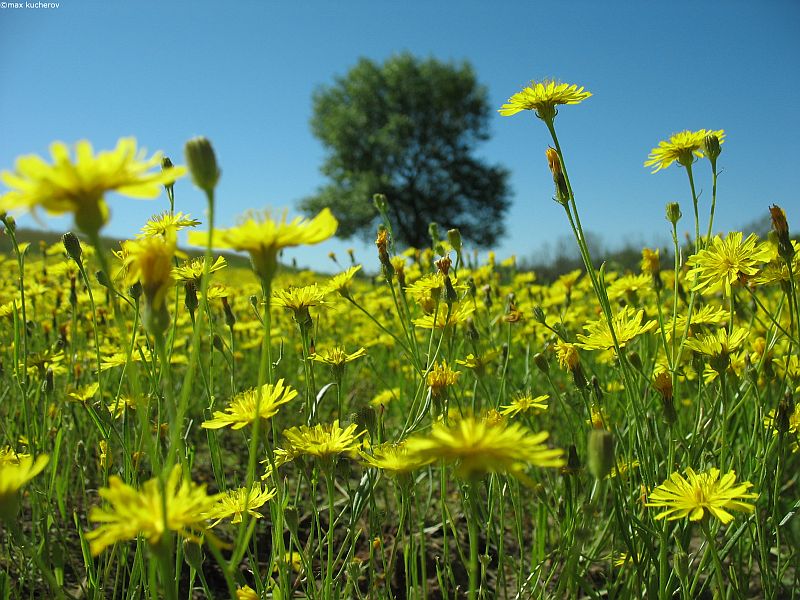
[190,296]
[674,213]
[73,246]
[600,449]
[711,147]
[380,202]
[781,229]
[102,279]
[454,237]
[202,163]
[193,554]
[230,319]
[541,363]
[11,223]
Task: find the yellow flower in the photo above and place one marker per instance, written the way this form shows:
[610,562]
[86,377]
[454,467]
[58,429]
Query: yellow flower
[336,357]
[340,283]
[14,473]
[149,261]
[192,270]
[263,237]
[394,459]
[84,394]
[299,300]
[246,593]
[440,378]
[458,314]
[697,493]
[719,343]
[524,403]
[627,325]
[543,97]
[242,408]
[134,512]
[79,187]
[725,261]
[683,147]
[322,441]
[567,355]
[384,397]
[481,446]
[165,223]
[234,503]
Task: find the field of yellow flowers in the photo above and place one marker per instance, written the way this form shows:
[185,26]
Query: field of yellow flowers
[174,427]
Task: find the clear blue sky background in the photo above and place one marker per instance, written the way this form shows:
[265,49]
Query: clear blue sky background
[242,73]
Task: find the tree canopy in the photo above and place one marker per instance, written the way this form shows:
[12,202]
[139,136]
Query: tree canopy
[408,128]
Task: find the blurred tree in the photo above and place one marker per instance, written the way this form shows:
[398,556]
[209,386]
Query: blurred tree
[408,129]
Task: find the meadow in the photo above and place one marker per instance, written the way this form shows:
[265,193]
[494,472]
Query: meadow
[177,427]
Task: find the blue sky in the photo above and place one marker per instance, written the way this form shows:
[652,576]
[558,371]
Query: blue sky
[242,73]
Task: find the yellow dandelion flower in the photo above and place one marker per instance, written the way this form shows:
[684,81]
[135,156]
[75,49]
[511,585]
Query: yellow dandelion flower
[9,456]
[15,473]
[192,270]
[263,237]
[234,503]
[83,394]
[627,326]
[341,282]
[394,459]
[79,186]
[725,261]
[132,512]
[322,441]
[383,397]
[523,403]
[567,355]
[682,147]
[242,408]
[479,446]
[651,262]
[149,261]
[441,377]
[693,495]
[717,344]
[337,356]
[299,300]
[543,97]
[246,593]
[457,315]
[165,223]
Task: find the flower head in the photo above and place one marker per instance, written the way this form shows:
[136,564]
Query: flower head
[337,357]
[234,503]
[242,409]
[79,186]
[394,459]
[341,282]
[543,97]
[149,261]
[192,270]
[523,403]
[681,147]
[299,300]
[182,508]
[725,261]
[15,471]
[165,223]
[627,325]
[441,377]
[322,441]
[263,237]
[693,495]
[481,446]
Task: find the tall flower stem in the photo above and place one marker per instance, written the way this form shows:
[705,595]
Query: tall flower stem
[697,241]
